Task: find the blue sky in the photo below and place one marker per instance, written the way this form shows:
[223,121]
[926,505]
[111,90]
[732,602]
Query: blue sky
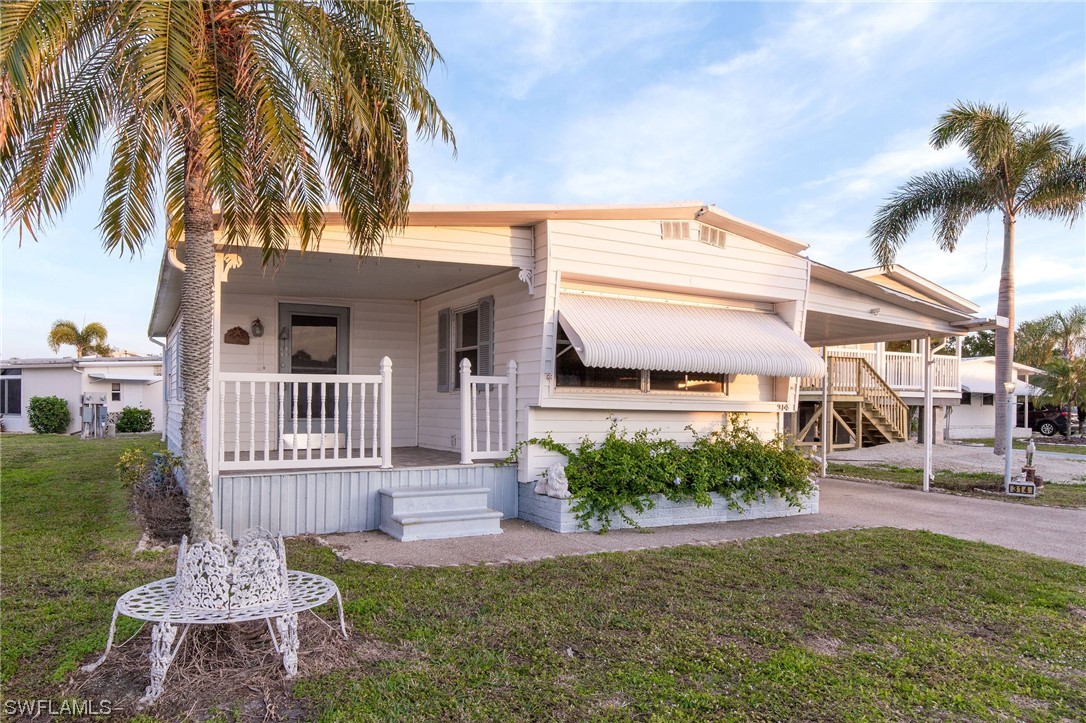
[798,117]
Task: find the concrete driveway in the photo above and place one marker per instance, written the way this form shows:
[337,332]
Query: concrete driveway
[1046,531]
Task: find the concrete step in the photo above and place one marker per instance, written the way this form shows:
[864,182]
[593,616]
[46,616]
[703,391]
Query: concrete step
[442,525]
[434,498]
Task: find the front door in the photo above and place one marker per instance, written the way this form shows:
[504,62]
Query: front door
[312,340]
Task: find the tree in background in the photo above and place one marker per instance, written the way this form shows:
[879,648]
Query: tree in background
[1035,342]
[980,343]
[1015,169]
[262,111]
[91,339]
[1064,382]
[1069,331]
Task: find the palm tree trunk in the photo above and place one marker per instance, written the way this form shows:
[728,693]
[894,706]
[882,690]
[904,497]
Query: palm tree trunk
[197,307]
[1004,337]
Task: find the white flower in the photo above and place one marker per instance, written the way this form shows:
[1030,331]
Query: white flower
[677,482]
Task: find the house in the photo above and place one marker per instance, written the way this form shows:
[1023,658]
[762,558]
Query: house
[876,393]
[975,416]
[483,326]
[129,381]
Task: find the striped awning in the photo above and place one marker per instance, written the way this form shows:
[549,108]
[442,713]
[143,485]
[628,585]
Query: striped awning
[622,333]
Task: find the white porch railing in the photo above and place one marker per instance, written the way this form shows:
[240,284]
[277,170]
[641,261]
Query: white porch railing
[305,420]
[903,371]
[488,414]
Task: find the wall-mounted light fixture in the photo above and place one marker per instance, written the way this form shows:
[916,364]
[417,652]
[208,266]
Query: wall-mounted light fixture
[257,328]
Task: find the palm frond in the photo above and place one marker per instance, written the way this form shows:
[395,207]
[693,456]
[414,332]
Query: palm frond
[949,198]
[1058,191]
[988,132]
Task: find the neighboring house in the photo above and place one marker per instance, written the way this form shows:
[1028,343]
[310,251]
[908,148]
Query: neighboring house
[877,394]
[662,317]
[132,381]
[975,417]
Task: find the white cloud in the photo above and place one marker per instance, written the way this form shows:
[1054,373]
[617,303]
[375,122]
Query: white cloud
[710,125]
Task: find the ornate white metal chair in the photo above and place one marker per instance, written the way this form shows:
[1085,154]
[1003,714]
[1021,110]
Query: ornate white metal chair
[212,586]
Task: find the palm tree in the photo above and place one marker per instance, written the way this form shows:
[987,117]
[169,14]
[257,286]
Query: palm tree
[238,114]
[1015,169]
[1064,384]
[1069,330]
[91,338]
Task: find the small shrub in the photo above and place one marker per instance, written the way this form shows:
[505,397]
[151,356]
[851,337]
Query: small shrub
[134,419]
[49,415]
[132,466]
[623,471]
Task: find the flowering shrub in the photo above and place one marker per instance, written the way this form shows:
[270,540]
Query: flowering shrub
[622,472]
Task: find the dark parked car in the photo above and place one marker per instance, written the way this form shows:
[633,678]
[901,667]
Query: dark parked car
[1046,420]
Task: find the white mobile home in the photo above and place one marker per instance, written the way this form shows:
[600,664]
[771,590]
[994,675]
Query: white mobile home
[974,417]
[131,381]
[479,327]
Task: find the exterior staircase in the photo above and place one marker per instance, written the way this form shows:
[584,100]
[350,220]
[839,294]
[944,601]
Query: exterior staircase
[437,512]
[862,404]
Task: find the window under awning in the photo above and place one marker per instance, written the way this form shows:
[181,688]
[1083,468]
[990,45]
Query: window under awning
[622,333]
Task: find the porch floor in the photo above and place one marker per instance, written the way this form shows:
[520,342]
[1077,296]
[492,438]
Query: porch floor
[402,457]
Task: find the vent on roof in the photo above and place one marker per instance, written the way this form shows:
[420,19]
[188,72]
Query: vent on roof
[712,235]
[672,230]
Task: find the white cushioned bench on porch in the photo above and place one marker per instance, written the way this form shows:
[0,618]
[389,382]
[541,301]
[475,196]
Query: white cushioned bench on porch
[214,586]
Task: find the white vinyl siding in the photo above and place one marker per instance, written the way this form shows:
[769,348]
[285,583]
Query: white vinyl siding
[517,335]
[377,329]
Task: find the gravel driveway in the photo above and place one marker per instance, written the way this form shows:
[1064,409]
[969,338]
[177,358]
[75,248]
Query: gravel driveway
[962,458]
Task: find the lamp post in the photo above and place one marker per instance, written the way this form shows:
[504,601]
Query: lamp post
[1008,450]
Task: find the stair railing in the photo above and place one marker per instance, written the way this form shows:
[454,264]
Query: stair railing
[852,375]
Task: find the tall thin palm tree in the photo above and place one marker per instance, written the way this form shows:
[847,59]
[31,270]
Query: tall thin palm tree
[91,338]
[1069,330]
[242,114]
[1015,169]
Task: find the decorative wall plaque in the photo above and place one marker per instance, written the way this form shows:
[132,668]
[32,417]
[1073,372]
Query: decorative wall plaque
[237,335]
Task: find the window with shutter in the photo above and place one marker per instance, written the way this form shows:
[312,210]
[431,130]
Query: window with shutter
[466,333]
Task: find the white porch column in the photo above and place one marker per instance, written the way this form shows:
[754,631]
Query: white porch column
[826,414]
[386,413]
[511,402]
[466,441]
[928,412]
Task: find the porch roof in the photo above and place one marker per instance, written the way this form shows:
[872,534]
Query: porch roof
[664,336]
[847,308]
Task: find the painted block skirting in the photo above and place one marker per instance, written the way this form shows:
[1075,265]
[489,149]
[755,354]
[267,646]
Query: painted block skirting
[555,514]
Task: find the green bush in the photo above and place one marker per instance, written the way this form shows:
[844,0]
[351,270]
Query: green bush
[134,419]
[624,471]
[49,415]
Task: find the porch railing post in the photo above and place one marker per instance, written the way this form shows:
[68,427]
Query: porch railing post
[466,442]
[386,413]
[511,401]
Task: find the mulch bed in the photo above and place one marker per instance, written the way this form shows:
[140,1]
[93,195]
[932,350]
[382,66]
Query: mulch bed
[226,668]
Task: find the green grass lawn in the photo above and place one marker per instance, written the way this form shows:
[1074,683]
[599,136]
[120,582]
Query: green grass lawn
[1041,446]
[873,624]
[966,483]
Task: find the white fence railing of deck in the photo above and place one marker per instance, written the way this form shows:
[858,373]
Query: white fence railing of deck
[305,420]
[488,414]
[902,370]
